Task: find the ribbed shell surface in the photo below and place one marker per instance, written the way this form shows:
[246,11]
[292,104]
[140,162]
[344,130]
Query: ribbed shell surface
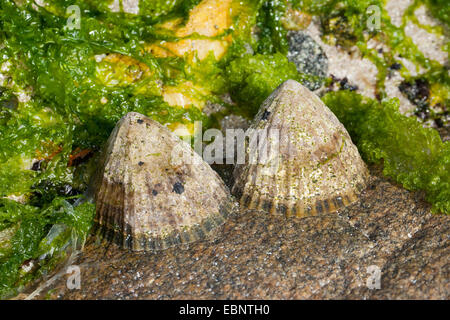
[152,191]
[317,167]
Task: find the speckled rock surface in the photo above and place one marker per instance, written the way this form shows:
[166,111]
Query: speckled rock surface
[308,57]
[258,256]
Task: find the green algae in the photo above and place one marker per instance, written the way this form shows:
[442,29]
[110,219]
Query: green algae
[412,155]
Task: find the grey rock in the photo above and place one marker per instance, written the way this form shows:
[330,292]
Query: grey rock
[271,257]
[308,56]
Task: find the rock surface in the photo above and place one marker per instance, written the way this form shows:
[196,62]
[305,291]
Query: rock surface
[308,57]
[259,256]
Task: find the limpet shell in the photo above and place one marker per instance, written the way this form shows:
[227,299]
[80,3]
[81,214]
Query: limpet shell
[152,191]
[317,167]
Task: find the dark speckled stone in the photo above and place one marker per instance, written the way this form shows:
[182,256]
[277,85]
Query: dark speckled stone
[308,57]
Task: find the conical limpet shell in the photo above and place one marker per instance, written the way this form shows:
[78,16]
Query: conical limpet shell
[153,191]
[317,169]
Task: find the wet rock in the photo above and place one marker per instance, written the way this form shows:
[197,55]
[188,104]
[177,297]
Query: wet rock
[395,66]
[308,56]
[269,257]
[417,91]
[229,122]
[420,268]
[212,108]
[340,84]
[234,121]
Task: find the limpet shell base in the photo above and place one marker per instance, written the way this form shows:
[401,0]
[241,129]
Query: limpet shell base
[266,204]
[183,235]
